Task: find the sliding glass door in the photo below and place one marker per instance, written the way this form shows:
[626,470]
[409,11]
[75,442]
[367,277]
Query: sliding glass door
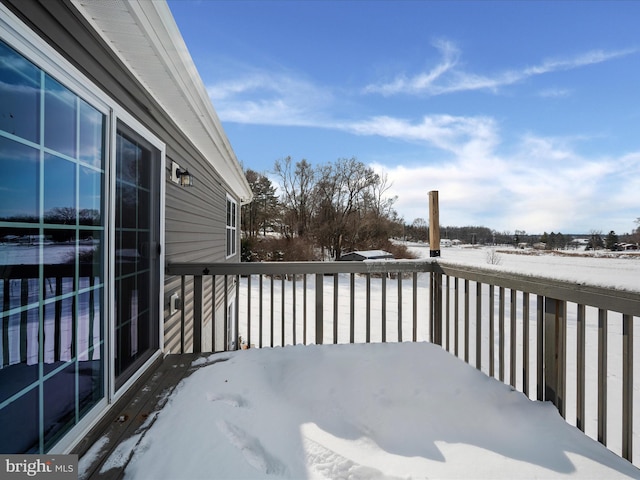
[80,231]
[52,251]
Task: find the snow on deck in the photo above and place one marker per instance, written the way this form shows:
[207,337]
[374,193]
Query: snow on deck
[407,410]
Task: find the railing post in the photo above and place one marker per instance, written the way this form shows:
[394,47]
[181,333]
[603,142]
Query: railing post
[227,325]
[260,314]
[352,308]
[466,320]
[555,360]
[436,308]
[383,307]
[282,313]
[540,348]
[602,376]
[236,314]
[447,317]
[580,366]
[183,318]
[399,306]
[319,308]
[368,309]
[197,313]
[335,308]
[525,343]
[415,307]
[248,310]
[479,325]
[492,346]
[213,313]
[512,338]
[627,386]
[304,309]
[271,310]
[501,334]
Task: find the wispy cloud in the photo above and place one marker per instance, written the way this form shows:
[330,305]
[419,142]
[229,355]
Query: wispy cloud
[266,98]
[554,93]
[269,99]
[425,81]
[447,77]
[447,132]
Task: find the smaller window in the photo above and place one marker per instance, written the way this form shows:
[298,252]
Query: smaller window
[232,235]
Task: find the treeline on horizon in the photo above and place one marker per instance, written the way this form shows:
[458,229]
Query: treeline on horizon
[479,235]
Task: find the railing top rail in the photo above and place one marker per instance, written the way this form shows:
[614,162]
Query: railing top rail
[282,268]
[608,298]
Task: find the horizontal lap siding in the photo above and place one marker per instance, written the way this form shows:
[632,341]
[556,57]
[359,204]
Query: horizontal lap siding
[195,232]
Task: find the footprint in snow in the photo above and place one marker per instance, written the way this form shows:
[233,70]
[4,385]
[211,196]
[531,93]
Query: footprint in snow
[252,450]
[232,400]
[326,463]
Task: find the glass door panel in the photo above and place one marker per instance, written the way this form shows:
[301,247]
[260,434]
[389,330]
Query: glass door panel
[137,252]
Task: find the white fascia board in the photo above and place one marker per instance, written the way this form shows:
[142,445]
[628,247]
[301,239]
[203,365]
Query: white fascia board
[180,91]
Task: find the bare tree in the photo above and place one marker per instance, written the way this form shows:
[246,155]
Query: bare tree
[341,193]
[340,205]
[297,185]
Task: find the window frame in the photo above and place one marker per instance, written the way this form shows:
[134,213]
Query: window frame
[231,227]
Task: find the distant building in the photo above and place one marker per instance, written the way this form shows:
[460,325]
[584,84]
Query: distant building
[360,256]
[626,246]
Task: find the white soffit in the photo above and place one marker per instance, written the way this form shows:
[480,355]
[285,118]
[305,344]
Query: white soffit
[146,38]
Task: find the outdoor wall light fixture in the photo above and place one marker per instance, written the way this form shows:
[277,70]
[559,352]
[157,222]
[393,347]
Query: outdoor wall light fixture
[181,177]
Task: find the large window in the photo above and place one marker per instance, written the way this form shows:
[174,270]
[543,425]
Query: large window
[52,230]
[232,232]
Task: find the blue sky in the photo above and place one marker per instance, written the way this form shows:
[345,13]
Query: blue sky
[523,115]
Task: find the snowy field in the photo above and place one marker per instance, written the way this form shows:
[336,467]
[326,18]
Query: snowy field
[600,268]
[387,410]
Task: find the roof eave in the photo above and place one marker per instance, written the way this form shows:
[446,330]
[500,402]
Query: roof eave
[188,103]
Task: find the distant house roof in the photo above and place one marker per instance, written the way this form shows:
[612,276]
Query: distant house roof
[366,255]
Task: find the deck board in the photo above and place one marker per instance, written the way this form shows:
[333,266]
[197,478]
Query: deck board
[131,416]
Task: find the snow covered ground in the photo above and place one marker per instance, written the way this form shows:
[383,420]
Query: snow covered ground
[602,268]
[376,411]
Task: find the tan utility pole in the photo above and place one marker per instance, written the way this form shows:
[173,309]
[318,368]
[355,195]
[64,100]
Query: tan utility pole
[434,224]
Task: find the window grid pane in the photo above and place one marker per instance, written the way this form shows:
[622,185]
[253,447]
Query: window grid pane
[52,231]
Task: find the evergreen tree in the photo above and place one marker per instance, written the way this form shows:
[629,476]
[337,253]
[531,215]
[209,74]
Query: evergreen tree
[611,240]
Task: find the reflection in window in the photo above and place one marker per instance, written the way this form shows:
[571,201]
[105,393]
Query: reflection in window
[51,257]
[59,190]
[19,183]
[19,95]
[89,196]
[91,135]
[59,118]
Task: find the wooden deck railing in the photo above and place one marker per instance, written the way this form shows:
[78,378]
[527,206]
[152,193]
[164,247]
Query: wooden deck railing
[511,326]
